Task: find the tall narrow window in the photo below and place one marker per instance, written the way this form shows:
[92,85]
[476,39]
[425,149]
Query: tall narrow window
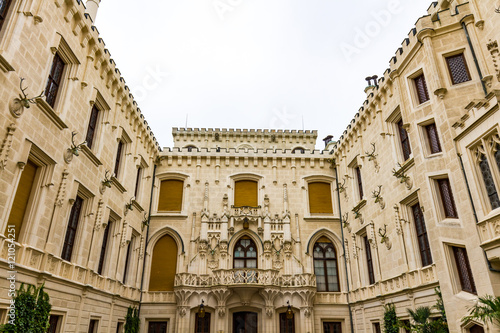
[464,270]
[137,182]
[105,241]
[54,324]
[246,193]
[118,157]
[21,198]
[405,140]
[163,265]
[320,198]
[450,210]
[376,328]
[202,325]
[489,183]
[325,266]
[332,327]
[457,66]
[287,325]
[93,325]
[54,80]
[423,241]
[433,138]
[171,192]
[360,181]
[369,261]
[119,327]
[421,88]
[127,262]
[69,240]
[4,9]
[94,115]
[497,156]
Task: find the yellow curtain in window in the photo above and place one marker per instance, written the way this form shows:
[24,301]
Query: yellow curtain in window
[245,193]
[22,197]
[170,196]
[320,198]
[163,265]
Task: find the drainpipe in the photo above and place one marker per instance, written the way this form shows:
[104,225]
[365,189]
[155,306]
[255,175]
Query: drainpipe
[490,267]
[147,240]
[475,58]
[343,246]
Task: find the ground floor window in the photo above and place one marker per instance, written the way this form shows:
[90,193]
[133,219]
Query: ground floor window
[157,327]
[476,329]
[287,325]
[332,327]
[245,322]
[202,325]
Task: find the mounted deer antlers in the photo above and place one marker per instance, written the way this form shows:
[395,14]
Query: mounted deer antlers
[74,147]
[371,156]
[25,101]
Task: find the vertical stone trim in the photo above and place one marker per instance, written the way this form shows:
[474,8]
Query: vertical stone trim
[6,145]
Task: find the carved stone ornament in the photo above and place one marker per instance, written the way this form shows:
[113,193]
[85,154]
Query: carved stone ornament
[221,311]
[6,145]
[269,311]
[68,156]
[182,310]
[16,108]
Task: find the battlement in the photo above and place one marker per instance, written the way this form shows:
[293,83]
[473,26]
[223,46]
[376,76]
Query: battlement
[88,36]
[250,139]
[177,151]
[443,16]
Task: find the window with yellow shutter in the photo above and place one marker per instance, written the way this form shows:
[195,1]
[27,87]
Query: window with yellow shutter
[320,198]
[246,193]
[170,196]
[22,197]
[163,265]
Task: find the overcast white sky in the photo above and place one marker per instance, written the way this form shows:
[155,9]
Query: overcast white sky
[253,63]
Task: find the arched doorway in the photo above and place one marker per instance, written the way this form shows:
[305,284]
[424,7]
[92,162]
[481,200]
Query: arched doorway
[245,322]
[163,265]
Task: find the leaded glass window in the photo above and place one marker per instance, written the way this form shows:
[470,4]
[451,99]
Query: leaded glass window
[325,267]
[489,183]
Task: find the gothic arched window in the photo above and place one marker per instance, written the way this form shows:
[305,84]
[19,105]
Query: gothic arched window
[245,254]
[325,266]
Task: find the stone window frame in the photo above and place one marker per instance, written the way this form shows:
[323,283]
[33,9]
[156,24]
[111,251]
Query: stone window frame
[437,200]
[42,183]
[88,197]
[62,104]
[456,285]
[100,103]
[362,257]
[246,176]
[353,167]
[322,179]
[62,319]
[425,140]
[185,193]
[119,178]
[132,267]
[485,146]
[140,182]
[393,130]
[468,60]
[113,237]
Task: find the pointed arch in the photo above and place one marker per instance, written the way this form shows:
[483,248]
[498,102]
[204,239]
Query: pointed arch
[234,239]
[323,232]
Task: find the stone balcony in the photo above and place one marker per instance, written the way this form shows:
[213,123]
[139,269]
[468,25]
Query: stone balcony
[245,278]
[489,234]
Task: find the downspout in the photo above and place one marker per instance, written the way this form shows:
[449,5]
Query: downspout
[490,267]
[147,240]
[475,59]
[343,246]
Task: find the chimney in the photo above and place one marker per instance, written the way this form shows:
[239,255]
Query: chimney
[92,7]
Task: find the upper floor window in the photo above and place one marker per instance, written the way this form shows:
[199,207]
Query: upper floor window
[54,80]
[171,192]
[404,139]
[245,253]
[433,138]
[369,260]
[325,266]
[421,89]
[246,193]
[163,265]
[422,239]
[93,326]
[464,270]
[104,247]
[69,239]
[128,260]
[119,156]
[320,198]
[359,181]
[489,182]
[4,9]
[457,66]
[447,200]
[138,179]
[91,130]
[486,160]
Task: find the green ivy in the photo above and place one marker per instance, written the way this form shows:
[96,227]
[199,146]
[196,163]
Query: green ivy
[32,311]
[391,322]
[132,320]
